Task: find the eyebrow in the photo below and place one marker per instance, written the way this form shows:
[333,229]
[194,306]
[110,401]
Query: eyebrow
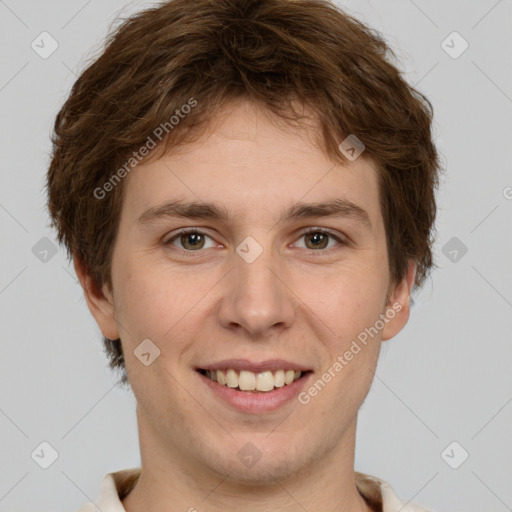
[341,208]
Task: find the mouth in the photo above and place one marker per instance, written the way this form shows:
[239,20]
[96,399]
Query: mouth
[251,387]
[263,381]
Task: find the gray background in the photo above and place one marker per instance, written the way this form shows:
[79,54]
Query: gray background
[446,377]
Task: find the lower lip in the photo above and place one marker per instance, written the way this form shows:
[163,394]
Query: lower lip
[257,402]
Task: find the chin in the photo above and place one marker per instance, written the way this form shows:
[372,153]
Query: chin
[264,473]
[261,463]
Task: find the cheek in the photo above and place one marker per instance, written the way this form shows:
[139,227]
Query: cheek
[142,302]
[345,302]
[156,302]
[351,343]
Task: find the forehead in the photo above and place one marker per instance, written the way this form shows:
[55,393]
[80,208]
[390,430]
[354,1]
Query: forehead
[249,160]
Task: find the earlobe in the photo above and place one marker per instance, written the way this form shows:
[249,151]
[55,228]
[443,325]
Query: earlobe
[99,301]
[399,305]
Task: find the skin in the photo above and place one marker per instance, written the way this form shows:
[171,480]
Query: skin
[295,302]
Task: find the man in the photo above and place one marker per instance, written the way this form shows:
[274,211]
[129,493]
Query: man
[246,189]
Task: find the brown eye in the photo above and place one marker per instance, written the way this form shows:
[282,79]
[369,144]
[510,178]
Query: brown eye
[190,240]
[318,239]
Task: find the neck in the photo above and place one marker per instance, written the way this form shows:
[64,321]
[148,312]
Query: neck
[170,481]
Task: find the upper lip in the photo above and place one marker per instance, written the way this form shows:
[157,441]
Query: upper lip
[255,367]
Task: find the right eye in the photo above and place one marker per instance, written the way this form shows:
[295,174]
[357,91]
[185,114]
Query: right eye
[191,240]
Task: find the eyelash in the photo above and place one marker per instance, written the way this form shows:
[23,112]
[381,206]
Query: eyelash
[187,231]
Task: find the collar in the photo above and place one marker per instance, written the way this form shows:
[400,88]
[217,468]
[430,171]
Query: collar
[377,493]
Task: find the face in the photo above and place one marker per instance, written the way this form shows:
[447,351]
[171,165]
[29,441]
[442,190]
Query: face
[269,287]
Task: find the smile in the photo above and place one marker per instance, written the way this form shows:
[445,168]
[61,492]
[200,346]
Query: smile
[244,380]
[254,387]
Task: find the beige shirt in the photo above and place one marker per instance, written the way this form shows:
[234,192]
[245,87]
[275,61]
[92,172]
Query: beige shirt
[378,494]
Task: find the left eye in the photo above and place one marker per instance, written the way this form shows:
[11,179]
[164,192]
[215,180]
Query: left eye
[319,238]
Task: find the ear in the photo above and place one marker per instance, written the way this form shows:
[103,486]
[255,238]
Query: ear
[399,303]
[99,300]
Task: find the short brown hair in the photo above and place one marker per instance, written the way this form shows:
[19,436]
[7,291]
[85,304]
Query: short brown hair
[277,53]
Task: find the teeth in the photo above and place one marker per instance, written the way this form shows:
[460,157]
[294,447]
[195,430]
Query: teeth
[250,381]
[247,381]
[264,381]
[279,379]
[231,378]
[289,376]
[221,378]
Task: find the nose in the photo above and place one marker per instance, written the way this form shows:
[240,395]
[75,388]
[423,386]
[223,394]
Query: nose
[257,298]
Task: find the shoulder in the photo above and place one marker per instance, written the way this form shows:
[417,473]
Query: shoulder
[381,496]
[114,487]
